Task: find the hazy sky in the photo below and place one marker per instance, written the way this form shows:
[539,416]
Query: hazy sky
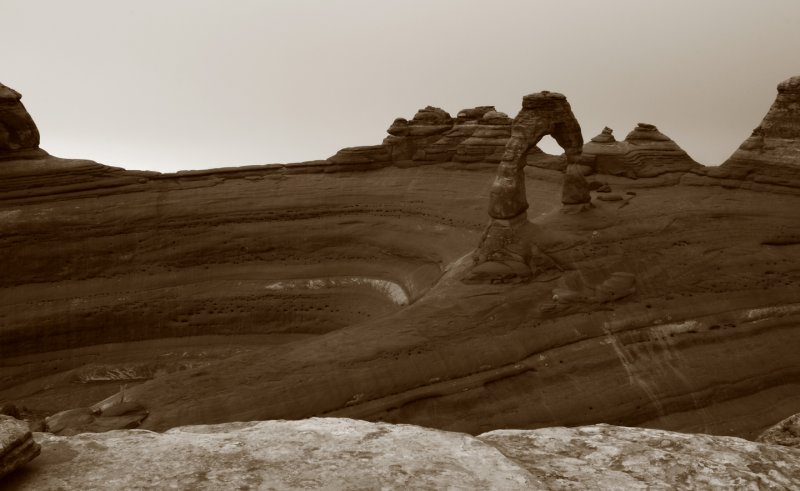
[168,84]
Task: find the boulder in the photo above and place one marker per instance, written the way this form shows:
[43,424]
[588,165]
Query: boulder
[16,444]
[772,152]
[786,433]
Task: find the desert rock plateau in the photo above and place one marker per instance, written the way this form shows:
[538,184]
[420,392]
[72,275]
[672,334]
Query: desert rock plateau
[453,277]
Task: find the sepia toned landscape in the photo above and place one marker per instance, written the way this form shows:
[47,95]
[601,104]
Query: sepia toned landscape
[454,277]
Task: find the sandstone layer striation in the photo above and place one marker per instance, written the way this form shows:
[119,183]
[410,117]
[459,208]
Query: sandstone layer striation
[645,152]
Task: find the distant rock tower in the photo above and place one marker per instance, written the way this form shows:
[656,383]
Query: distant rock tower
[504,254]
[772,153]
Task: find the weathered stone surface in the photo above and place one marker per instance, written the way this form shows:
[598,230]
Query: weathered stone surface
[16,445]
[473,114]
[612,457]
[786,433]
[315,453]
[18,132]
[772,153]
[348,454]
[84,420]
[645,152]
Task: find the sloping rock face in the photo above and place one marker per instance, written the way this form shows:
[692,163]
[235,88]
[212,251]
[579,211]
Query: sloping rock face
[772,153]
[349,454]
[18,133]
[645,152]
[16,445]
[216,304]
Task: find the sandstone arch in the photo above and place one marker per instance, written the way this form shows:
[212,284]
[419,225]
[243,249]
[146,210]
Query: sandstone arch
[503,253]
[543,113]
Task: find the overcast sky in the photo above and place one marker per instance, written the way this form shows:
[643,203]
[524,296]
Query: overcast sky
[168,85]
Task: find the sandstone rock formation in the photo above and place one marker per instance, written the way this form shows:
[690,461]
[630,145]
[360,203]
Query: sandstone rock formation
[505,250]
[543,113]
[772,153]
[347,454]
[18,133]
[409,139]
[340,295]
[786,432]
[16,445]
[476,135]
[645,152]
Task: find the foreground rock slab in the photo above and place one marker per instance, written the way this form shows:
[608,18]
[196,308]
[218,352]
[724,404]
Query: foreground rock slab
[334,453]
[16,444]
[614,457]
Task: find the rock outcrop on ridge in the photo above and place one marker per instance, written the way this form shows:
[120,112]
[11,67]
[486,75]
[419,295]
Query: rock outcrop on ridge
[476,135]
[329,453]
[19,136]
[645,152]
[772,153]
[16,445]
